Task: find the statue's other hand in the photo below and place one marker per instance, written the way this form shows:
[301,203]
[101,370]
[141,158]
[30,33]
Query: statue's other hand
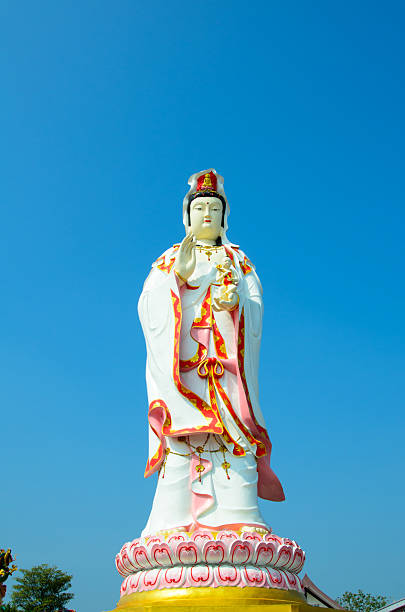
[228,300]
[185,258]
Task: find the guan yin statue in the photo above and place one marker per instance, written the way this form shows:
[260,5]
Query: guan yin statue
[206,543]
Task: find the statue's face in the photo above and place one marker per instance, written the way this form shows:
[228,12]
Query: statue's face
[206,217]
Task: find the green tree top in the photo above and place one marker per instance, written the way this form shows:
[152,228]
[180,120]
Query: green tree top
[42,589]
[8,607]
[362,602]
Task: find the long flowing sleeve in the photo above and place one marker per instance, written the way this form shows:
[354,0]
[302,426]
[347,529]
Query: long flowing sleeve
[249,332]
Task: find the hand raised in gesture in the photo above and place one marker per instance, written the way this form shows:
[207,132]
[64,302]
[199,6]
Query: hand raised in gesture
[185,258]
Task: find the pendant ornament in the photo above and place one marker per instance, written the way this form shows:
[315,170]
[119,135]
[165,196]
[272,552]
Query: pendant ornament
[208,250]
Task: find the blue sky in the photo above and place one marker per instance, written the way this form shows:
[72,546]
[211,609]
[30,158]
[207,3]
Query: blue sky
[106,109]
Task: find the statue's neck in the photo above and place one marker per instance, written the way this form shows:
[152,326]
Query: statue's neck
[205,242]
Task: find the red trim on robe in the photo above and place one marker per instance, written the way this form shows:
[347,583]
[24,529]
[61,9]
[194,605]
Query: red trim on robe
[269,486]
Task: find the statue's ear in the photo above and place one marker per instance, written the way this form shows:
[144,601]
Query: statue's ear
[223,214]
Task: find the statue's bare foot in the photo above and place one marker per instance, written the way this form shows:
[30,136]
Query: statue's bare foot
[260,530]
[167,532]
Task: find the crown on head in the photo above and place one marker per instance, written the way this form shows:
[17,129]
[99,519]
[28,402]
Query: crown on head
[207,182]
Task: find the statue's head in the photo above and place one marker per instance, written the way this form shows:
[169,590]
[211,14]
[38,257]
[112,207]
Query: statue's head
[205,208]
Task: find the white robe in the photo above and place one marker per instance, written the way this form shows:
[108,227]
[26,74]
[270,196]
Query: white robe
[202,385]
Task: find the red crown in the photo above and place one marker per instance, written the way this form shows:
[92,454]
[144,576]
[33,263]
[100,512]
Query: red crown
[207,182]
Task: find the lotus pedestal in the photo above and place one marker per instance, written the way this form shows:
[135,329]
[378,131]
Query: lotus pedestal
[211,570]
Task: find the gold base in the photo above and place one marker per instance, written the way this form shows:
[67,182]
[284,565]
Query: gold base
[200,599]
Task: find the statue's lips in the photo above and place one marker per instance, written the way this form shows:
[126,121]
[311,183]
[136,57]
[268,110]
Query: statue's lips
[207,220]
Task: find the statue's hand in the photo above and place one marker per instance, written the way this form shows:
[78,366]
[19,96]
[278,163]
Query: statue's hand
[185,258]
[228,300]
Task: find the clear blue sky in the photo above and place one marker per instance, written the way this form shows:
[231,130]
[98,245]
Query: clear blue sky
[106,109]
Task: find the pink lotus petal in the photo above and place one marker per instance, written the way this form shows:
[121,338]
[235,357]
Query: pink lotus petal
[292,580]
[200,575]
[276,579]
[227,536]
[253,576]
[272,537]
[284,557]
[264,554]
[199,537]
[173,577]
[124,586]
[133,582]
[227,575]
[161,554]
[297,561]
[150,579]
[154,540]
[188,553]
[214,552]
[251,536]
[120,567]
[240,552]
[176,538]
[141,557]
